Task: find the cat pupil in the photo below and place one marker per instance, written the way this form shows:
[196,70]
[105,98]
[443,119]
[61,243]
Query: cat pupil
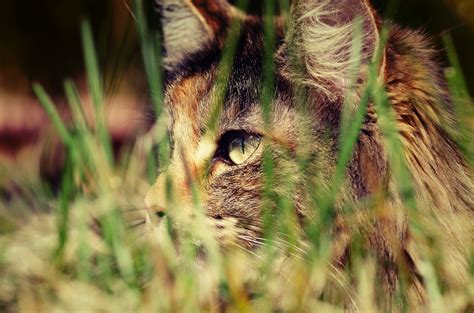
[241,147]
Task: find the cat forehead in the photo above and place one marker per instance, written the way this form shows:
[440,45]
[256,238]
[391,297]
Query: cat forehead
[191,82]
[248,53]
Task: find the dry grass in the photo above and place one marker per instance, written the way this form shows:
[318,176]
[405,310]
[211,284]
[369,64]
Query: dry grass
[87,247]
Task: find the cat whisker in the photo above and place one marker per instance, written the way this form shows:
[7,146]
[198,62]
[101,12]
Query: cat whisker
[271,243]
[137,223]
[287,243]
[131,209]
[247,250]
[261,258]
[252,240]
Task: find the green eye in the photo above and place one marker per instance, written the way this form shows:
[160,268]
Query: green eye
[241,146]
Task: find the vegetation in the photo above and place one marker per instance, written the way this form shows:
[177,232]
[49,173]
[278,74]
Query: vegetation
[86,247]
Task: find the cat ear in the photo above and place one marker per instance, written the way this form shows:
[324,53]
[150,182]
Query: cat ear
[188,25]
[320,39]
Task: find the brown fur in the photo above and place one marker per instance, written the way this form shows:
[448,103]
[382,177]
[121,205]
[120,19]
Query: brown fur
[416,90]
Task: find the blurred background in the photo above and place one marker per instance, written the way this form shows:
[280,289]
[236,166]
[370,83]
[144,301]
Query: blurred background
[40,41]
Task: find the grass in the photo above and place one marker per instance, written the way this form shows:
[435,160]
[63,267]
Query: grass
[78,252]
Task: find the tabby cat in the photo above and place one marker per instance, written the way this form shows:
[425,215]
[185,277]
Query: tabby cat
[220,139]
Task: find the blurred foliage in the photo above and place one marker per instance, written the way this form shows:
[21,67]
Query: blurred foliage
[40,39]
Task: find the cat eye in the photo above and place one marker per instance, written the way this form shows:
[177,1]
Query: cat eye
[236,147]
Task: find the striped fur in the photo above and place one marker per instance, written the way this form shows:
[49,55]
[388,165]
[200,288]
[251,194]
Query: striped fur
[313,59]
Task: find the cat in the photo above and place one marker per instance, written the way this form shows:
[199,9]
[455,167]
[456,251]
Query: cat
[312,61]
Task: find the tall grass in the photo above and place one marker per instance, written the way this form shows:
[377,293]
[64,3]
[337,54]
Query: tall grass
[92,250]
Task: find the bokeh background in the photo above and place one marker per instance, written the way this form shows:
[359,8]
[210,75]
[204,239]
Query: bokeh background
[40,41]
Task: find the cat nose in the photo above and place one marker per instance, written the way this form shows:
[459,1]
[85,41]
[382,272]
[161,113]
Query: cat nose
[153,206]
[159,211]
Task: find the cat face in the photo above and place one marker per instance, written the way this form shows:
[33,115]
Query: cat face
[228,123]
[221,138]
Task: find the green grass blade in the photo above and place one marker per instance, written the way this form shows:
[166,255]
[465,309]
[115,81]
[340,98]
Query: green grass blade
[350,126]
[462,102]
[53,114]
[74,100]
[95,88]
[151,54]
[225,68]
